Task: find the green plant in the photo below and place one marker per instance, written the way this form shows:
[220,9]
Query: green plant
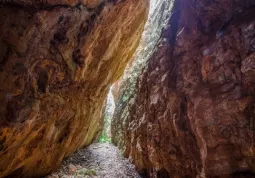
[104,138]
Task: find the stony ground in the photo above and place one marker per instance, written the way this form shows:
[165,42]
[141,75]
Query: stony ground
[100,160]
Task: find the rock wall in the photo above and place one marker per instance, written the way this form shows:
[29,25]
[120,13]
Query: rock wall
[123,90]
[194,110]
[57,61]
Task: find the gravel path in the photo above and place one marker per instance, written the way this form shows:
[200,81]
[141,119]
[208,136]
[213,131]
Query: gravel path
[100,160]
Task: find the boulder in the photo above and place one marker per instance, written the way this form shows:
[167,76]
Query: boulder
[58,59]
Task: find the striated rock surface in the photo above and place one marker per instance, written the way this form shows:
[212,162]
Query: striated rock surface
[123,90]
[57,61]
[194,110]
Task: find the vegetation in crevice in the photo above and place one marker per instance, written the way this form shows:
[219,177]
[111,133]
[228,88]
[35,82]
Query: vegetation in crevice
[105,136]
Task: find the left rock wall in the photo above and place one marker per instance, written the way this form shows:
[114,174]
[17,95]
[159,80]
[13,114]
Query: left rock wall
[57,61]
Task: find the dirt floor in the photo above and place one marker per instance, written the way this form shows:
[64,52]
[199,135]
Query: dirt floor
[100,160]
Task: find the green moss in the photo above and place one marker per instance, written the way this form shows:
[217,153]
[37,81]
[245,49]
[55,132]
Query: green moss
[85,172]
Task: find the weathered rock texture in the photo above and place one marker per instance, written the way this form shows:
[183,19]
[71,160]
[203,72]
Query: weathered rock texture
[194,110]
[123,90]
[57,60]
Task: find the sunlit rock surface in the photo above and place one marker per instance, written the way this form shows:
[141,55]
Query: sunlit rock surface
[123,90]
[193,114]
[57,61]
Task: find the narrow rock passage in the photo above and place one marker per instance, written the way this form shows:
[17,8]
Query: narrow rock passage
[100,160]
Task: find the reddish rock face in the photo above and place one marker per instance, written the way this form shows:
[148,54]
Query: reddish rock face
[194,110]
[57,61]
